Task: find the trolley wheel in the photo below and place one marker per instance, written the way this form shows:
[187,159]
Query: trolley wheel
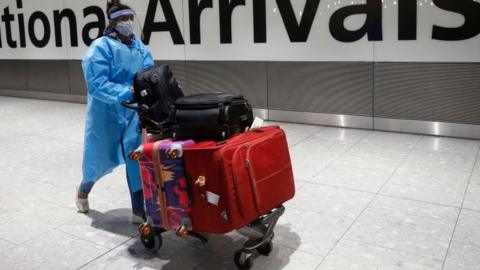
[152,242]
[266,248]
[243,260]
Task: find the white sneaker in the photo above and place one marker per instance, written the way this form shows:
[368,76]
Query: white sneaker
[82,204]
[134,219]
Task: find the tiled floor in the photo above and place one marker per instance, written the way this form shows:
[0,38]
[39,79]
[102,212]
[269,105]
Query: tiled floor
[365,200]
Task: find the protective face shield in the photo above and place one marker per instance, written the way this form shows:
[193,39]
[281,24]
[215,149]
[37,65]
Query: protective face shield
[125,23]
[125,28]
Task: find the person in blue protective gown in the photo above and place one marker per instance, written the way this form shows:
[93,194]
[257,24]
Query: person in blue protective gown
[111,131]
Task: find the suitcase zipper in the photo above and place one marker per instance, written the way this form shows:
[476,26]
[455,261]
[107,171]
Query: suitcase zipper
[187,106]
[197,106]
[240,205]
[253,183]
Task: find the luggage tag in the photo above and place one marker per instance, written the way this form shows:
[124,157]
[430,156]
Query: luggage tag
[207,196]
[213,198]
[257,123]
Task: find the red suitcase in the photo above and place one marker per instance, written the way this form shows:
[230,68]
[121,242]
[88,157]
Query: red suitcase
[236,181]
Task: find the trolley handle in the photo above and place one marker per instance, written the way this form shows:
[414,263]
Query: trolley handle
[141,108]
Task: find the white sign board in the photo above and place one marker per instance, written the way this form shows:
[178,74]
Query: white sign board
[253,30]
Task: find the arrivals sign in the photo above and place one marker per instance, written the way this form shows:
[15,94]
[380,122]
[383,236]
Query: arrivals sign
[253,30]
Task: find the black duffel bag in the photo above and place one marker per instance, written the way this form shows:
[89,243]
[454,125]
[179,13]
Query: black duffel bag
[215,116]
[155,93]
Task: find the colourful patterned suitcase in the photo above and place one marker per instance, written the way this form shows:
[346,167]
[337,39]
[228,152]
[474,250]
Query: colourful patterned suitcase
[167,199]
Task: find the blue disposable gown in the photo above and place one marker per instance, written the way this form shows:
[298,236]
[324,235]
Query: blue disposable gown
[111,131]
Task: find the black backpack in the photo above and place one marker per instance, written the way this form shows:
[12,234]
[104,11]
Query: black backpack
[156,91]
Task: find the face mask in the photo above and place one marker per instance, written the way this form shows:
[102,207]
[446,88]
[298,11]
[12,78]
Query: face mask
[125,28]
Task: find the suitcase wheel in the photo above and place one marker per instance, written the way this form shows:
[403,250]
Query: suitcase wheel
[266,248]
[152,242]
[243,260]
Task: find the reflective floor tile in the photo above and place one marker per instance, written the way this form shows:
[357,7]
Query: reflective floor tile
[56,112]
[476,173]
[393,137]
[14,106]
[309,231]
[311,157]
[434,189]
[5,246]
[449,145]
[9,135]
[361,256]
[475,178]
[106,204]
[341,134]
[468,229]
[462,256]
[297,132]
[27,123]
[66,177]
[38,149]
[51,250]
[330,201]
[415,208]
[382,147]
[60,160]
[472,197]
[307,164]
[20,223]
[13,173]
[432,162]
[101,229]
[404,231]
[39,191]
[317,145]
[353,178]
[389,142]
[132,255]
[18,192]
[73,132]
[302,172]
[371,159]
[53,186]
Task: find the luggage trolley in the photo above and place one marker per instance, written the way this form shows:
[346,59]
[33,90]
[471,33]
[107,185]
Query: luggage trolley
[260,234]
[264,225]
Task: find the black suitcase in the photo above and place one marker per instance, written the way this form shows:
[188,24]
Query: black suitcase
[155,93]
[215,116]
